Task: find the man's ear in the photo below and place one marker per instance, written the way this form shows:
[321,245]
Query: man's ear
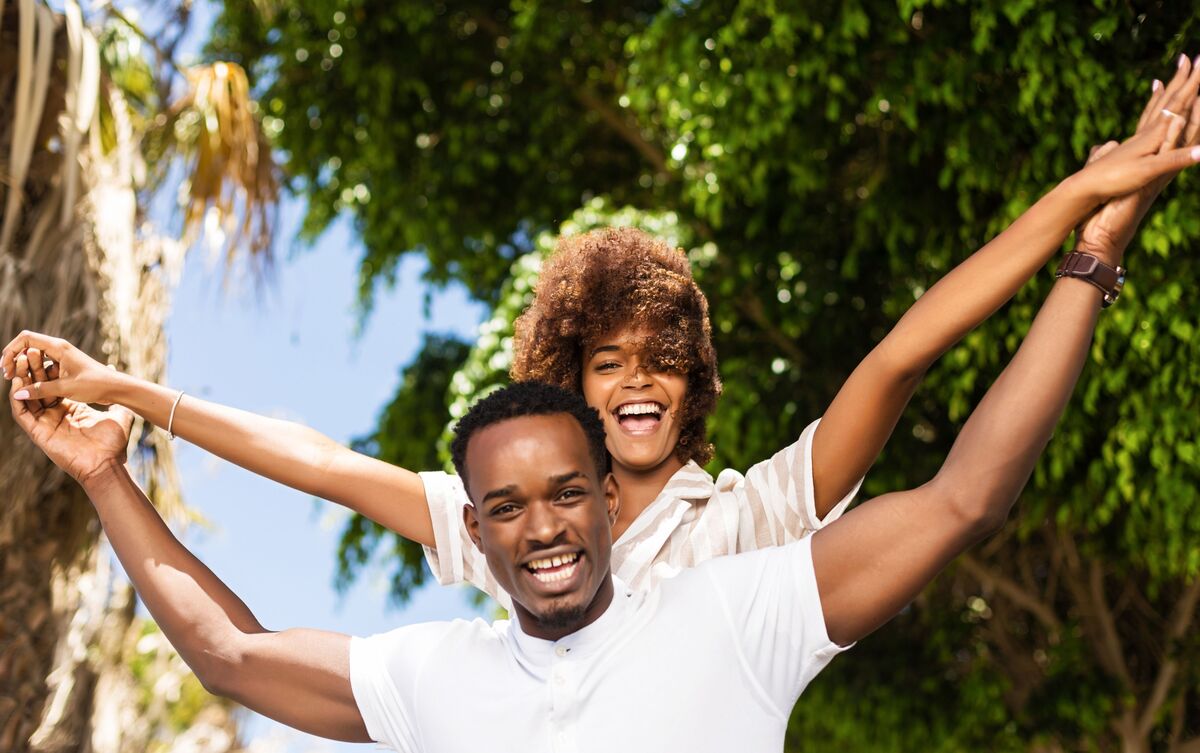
[471,521]
[612,495]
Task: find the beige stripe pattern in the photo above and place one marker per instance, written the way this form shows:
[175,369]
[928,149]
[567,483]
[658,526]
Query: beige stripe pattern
[695,518]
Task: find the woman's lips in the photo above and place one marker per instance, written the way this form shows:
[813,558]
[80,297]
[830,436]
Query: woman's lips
[639,425]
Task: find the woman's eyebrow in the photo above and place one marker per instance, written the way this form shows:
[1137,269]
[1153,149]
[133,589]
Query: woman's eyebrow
[604,349]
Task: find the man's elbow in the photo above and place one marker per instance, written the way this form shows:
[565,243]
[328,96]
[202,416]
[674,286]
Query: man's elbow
[979,509]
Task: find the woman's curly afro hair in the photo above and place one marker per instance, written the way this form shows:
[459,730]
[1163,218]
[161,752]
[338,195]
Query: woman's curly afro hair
[600,282]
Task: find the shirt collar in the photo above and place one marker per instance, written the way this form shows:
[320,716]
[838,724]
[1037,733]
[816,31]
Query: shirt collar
[691,482]
[538,653]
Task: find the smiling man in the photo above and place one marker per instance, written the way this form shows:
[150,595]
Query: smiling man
[584,649]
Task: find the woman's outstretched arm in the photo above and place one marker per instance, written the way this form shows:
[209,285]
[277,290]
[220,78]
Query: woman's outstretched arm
[283,451]
[864,413]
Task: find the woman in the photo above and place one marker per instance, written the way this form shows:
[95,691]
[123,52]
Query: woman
[618,317]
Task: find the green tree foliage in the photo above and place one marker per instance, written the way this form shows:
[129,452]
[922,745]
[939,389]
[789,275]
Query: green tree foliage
[407,436]
[823,163]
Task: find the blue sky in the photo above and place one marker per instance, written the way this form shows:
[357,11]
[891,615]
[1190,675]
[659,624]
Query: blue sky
[292,353]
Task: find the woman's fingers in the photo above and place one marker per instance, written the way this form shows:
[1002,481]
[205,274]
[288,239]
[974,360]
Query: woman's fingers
[1153,104]
[1172,161]
[38,369]
[50,346]
[1181,94]
[1191,134]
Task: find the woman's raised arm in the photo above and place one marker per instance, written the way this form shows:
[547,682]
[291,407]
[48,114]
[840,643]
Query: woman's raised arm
[290,453]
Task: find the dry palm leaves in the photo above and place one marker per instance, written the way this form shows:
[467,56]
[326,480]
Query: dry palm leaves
[230,170]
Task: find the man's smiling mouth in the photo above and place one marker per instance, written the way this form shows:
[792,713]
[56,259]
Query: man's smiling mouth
[554,569]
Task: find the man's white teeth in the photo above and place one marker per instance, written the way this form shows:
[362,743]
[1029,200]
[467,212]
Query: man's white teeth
[637,409]
[539,566]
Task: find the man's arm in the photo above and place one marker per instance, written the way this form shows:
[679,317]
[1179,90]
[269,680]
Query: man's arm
[298,677]
[289,453]
[879,556]
[864,413]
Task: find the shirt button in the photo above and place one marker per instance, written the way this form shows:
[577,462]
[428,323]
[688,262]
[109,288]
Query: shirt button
[560,651]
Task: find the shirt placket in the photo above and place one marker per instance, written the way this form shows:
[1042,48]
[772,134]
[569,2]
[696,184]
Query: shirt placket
[564,702]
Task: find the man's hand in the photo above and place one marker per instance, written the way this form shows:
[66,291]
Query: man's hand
[81,440]
[74,374]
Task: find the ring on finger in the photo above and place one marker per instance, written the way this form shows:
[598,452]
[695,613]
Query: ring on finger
[1168,113]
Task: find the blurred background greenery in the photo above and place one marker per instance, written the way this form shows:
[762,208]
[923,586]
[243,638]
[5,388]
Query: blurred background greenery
[823,164]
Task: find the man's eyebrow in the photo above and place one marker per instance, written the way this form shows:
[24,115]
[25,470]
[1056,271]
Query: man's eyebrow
[503,491]
[565,477]
[604,349]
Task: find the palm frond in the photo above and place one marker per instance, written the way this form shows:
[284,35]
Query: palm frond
[230,173]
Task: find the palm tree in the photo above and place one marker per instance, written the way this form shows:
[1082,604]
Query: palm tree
[80,113]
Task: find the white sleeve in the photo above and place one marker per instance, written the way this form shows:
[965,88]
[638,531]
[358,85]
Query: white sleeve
[385,672]
[780,490]
[771,601]
[454,558]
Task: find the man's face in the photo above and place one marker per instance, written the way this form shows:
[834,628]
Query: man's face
[543,518]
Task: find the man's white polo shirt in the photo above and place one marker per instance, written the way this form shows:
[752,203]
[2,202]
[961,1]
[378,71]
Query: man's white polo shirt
[711,660]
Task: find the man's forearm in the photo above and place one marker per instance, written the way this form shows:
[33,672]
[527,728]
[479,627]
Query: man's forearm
[195,610]
[998,447]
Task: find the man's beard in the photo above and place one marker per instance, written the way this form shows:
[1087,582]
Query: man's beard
[562,616]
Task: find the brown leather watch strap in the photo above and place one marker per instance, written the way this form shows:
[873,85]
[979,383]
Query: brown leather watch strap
[1088,268]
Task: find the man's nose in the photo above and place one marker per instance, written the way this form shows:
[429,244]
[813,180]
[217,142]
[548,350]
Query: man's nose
[545,523]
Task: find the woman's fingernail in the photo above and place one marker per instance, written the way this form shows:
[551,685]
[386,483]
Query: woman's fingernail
[1182,60]
[1196,154]
[21,395]
[1156,85]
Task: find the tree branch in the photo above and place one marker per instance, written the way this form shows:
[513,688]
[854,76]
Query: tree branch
[1089,595]
[620,125]
[1181,619]
[1013,592]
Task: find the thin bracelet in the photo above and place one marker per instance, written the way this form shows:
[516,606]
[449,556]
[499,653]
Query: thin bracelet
[171,420]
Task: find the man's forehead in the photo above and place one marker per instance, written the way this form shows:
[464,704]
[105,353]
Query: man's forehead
[527,450]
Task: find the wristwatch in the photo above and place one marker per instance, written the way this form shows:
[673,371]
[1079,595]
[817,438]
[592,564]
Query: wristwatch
[1086,267]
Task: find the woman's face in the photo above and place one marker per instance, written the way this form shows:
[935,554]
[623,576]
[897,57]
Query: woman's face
[641,408]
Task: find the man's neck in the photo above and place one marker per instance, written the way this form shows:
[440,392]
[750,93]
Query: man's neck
[639,488]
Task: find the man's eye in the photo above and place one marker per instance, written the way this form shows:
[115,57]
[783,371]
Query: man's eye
[570,494]
[504,509]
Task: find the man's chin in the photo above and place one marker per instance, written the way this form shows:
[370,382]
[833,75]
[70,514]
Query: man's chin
[561,616]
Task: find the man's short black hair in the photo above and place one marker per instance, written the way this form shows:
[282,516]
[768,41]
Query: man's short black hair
[529,399]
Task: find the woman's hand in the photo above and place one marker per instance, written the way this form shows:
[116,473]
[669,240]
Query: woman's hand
[81,440]
[1164,144]
[73,373]
[1107,232]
